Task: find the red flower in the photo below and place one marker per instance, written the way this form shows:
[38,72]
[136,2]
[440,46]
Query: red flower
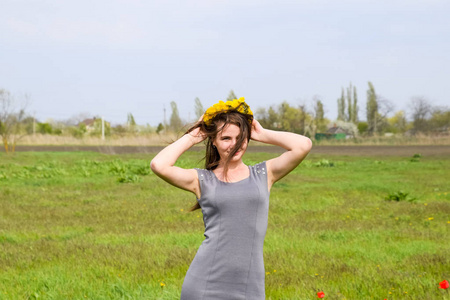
[444,284]
[321,295]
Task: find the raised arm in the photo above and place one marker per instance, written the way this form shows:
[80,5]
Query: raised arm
[163,163]
[297,146]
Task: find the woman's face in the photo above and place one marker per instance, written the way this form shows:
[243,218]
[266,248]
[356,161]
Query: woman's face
[225,141]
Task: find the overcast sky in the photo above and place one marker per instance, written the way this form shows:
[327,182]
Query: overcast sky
[114,57]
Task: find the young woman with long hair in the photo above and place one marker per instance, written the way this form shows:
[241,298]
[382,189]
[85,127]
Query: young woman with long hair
[233,197]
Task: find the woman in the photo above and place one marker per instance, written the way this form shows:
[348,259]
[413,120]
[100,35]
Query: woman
[233,197]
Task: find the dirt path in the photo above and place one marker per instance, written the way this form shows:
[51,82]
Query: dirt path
[438,150]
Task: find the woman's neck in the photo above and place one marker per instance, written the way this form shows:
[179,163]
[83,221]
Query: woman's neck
[236,171]
[236,165]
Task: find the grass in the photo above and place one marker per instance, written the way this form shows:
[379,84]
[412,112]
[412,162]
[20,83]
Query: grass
[149,139]
[153,139]
[84,225]
[394,140]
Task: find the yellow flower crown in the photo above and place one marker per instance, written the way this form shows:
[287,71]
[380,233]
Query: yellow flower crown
[223,107]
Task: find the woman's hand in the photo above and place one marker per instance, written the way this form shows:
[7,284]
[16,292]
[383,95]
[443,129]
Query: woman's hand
[257,131]
[197,135]
[163,164]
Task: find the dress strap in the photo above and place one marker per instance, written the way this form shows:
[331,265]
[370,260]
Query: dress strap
[205,178]
[260,174]
[261,169]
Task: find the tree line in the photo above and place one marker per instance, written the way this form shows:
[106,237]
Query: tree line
[380,118]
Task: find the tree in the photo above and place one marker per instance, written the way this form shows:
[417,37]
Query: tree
[349,112]
[421,111]
[97,130]
[303,119]
[79,131]
[293,119]
[130,120]
[199,110]
[385,107]
[319,116]
[349,103]
[274,118]
[159,128]
[440,120]
[11,117]
[289,117]
[377,110]
[231,95]
[362,127]
[372,110]
[318,110]
[44,128]
[131,123]
[398,122]
[175,120]
[263,117]
[119,130]
[355,108]
[341,107]
[352,104]
[29,125]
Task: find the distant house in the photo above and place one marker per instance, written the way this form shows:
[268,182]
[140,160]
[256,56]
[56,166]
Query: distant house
[334,133]
[89,123]
[336,130]
[95,125]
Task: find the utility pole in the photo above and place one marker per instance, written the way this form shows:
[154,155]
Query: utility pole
[103,128]
[34,123]
[165,123]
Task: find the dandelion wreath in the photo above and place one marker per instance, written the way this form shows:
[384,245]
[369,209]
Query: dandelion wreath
[224,107]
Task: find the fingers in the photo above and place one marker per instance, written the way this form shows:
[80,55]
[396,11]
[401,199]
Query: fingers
[197,132]
[197,135]
[256,125]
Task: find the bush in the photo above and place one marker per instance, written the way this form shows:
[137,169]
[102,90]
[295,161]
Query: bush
[416,157]
[399,196]
[129,179]
[44,128]
[79,131]
[324,163]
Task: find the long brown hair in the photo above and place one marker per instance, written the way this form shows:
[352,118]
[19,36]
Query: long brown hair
[218,123]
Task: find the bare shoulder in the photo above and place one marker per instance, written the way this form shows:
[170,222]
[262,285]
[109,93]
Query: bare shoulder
[186,179]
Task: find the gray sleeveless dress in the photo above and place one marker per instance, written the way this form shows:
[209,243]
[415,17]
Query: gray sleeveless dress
[229,264]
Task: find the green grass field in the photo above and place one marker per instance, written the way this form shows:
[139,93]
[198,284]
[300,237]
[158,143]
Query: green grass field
[84,225]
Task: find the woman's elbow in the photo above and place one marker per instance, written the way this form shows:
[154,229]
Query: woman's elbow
[303,148]
[308,144]
[305,145]
[155,167]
